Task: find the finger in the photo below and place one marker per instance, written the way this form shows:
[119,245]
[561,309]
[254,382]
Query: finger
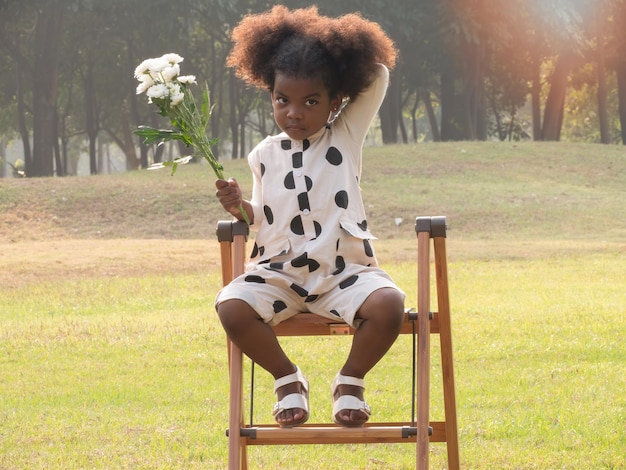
[220,184]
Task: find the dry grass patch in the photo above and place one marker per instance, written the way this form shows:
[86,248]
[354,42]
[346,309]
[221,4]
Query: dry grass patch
[34,262]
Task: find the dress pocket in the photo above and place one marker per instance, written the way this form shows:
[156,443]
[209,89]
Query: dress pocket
[357,229]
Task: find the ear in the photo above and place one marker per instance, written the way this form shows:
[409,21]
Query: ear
[335,103]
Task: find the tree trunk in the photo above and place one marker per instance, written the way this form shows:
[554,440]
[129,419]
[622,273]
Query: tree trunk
[555,103]
[390,110]
[452,106]
[620,66]
[47,45]
[234,124]
[126,143]
[535,98]
[3,157]
[473,75]
[91,114]
[603,114]
[621,91]
[432,118]
[21,120]
[58,156]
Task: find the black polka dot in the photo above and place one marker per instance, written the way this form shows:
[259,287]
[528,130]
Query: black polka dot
[276,266]
[301,291]
[303,201]
[296,225]
[296,160]
[362,225]
[300,261]
[335,312]
[289,181]
[255,279]
[340,264]
[369,251]
[341,199]
[304,260]
[311,298]
[285,144]
[279,306]
[306,144]
[318,228]
[309,183]
[255,251]
[333,156]
[262,169]
[269,215]
[348,282]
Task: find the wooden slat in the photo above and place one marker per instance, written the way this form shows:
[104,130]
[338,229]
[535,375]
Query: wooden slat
[310,324]
[371,433]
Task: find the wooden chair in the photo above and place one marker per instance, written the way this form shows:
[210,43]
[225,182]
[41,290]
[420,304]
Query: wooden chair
[232,237]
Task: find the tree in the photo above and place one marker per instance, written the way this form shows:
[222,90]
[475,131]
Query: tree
[618,58]
[47,46]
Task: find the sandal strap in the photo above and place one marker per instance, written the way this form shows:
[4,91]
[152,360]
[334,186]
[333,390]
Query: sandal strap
[350,402]
[347,380]
[291,378]
[291,401]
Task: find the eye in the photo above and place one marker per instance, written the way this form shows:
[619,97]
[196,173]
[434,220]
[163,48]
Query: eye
[310,102]
[281,100]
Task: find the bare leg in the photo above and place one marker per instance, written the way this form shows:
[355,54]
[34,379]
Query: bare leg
[382,315]
[257,340]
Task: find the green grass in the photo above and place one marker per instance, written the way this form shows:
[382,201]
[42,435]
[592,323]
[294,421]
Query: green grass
[489,191]
[111,355]
[121,373]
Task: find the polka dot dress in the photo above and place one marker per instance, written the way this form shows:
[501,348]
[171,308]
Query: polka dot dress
[312,251]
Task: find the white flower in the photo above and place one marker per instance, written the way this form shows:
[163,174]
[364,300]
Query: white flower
[159,91]
[145,82]
[189,79]
[170,72]
[143,68]
[172,58]
[175,93]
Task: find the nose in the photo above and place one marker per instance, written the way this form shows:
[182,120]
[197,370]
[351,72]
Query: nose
[294,112]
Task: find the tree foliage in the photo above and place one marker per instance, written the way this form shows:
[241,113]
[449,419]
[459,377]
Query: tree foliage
[468,68]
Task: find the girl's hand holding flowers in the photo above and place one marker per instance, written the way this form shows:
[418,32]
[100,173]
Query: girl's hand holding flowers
[230,196]
[160,79]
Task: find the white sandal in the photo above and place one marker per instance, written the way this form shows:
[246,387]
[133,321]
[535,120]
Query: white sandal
[348,402]
[293,400]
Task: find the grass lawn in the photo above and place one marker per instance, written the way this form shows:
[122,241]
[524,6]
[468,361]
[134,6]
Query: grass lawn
[111,355]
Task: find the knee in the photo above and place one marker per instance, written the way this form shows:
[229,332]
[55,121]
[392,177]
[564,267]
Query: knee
[234,314]
[386,307]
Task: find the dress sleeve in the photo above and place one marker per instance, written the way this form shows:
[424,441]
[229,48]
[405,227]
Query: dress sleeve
[358,115]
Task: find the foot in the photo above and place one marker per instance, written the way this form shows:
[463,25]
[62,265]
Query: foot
[349,407]
[292,408]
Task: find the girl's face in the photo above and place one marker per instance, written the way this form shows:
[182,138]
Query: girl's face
[301,106]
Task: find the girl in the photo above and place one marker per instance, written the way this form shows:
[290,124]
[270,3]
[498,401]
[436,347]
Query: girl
[312,253]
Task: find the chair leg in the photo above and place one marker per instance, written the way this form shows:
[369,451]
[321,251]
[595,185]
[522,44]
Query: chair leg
[423,362]
[445,338]
[236,408]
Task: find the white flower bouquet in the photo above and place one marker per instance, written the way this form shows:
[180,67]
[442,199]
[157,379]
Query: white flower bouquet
[160,79]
